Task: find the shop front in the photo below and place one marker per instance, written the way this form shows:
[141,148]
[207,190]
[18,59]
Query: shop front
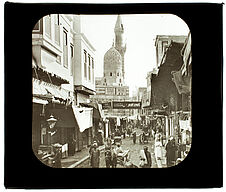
[84,132]
[65,129]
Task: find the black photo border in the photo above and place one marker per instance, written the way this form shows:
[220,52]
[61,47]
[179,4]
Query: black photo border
[203,168]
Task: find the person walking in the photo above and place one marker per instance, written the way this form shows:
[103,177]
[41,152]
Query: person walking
[94,156]
[109,141]
[108,156]
[134,137]
[143,159]
[148,157]
[170,152]
[56,159]
[114,158]
[158,146]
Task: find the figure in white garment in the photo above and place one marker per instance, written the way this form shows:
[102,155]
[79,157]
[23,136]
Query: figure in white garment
[158,145]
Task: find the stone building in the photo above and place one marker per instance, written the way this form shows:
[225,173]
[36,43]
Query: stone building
[112,87]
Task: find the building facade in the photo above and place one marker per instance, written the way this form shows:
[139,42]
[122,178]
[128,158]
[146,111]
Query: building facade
[63,79]
[112,87]
[166,102]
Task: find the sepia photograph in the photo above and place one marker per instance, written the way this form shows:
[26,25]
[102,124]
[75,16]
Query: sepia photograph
[111,91]
[94,90]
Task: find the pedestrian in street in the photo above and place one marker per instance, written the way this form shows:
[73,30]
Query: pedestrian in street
[94,156]
[158,146]
[114,158]
[143,159]
[108,156]
[124,133]
[92,146]
[170,152]
[56,158]
[134,137]
[118,148]
[148,157]
[129,131]
[108,141]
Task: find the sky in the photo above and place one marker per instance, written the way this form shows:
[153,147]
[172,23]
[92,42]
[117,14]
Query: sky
[139,35]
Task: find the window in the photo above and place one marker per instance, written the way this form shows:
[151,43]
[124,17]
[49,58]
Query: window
[57,29]
[85,64]
[92,69]
[120,80]
[117,74]
[72,55]
[105,80]
[48,26]
[89,67]
[65,48]
[110,73]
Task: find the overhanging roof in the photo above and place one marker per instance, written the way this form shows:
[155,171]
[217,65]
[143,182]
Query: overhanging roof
[84,90]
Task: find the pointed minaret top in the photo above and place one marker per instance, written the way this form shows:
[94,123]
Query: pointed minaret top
[118,24]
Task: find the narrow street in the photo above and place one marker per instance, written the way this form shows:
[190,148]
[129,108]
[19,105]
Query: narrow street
[127,144]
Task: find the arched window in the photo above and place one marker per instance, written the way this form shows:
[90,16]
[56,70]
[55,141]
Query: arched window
[117,74]
[120,80]
[110,73]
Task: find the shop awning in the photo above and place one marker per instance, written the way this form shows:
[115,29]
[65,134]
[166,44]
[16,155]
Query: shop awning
[97,109]
[39,101]
[44,89]
[84,117]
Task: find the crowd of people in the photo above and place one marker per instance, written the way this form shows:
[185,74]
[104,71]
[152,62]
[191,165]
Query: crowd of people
[165,151]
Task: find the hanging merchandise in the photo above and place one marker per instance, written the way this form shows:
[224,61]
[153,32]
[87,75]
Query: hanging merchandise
[118,121]
[184,124]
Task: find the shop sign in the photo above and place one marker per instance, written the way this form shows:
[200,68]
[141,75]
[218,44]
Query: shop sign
[106,105]
[126,105]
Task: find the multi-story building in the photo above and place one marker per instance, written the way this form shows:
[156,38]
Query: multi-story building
[84,77]
[62,79]
[165,99]
[182,79]
[162,42]
[52,78]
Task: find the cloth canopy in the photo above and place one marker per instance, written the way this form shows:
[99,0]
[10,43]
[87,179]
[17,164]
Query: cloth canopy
[39,101]
[84,117]
[44,89]
[185,124]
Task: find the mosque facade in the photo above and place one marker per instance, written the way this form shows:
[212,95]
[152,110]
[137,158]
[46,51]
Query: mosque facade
[111,87]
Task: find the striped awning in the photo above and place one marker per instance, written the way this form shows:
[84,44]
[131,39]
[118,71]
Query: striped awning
[40,88]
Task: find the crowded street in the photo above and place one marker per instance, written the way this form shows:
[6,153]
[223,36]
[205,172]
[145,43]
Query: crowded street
[127,144]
